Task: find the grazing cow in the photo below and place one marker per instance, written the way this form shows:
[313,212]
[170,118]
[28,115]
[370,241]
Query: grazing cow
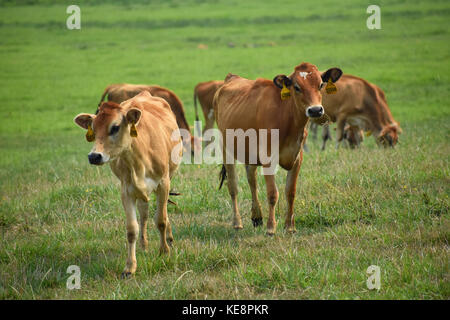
[205,91]
[121,92]
[363,105]
[257,104]
[135,139]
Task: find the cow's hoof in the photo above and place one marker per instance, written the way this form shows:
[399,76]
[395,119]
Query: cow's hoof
[271,231]
[164,250]
[126,275]
[238,227]
[144,245]
[257,222]
[291,230]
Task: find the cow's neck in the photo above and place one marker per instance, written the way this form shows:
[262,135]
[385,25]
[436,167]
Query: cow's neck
[386,116]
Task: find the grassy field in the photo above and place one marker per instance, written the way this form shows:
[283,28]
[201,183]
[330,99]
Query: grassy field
[354,208]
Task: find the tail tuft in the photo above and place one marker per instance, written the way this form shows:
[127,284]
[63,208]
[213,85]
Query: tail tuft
[173,193]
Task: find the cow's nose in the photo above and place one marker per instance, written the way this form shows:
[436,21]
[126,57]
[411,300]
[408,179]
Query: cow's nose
[314,111]
[95,158]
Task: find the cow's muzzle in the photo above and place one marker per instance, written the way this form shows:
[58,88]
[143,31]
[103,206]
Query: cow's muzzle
[314,111]
[96,158]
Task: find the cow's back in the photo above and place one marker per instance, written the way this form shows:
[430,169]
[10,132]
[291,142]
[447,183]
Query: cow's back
[246,104]
[174,102]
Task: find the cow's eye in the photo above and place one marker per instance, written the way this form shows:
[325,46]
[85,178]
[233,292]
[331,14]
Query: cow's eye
[114,130]
[297,88]
[321,85]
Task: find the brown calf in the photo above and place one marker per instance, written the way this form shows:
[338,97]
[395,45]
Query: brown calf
[257,104]
[135,139]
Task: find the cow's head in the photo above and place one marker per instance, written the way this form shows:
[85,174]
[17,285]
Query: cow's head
[111,129]
[304,85]
[388,137]
[353,135]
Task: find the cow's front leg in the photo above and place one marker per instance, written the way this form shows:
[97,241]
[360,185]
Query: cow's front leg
[291,186]
[129,204]
[253,183]
[272,199]
[143,216]
[169,235]
[161,219]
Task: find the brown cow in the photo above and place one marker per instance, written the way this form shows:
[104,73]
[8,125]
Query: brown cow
[205,91]
[363,105]
[256,104]
[121,92]
[135,139]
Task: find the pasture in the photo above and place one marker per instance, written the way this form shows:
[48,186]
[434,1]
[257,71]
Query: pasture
[354,208]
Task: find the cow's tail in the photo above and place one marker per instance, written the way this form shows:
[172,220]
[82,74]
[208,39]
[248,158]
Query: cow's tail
[198,127]
[195,104]
[104,95]
[223,176]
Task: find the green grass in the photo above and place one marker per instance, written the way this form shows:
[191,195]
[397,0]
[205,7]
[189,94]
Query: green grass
[354,208]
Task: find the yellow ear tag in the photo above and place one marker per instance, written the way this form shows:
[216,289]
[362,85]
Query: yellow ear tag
[331,87]
[368,133]
[285,93]
[90,136]
[133,131]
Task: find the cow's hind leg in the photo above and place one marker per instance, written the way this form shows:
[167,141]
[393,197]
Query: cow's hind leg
[129,205]
[272,199]
[256,207]
[143,216]
[209,125]
[340,131]
[291,186]
[209,120]
[161,219]
[233,190]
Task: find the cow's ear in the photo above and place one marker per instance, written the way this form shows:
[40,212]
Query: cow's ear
[84,120]
[333,73]
[280,79]
[134,115]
